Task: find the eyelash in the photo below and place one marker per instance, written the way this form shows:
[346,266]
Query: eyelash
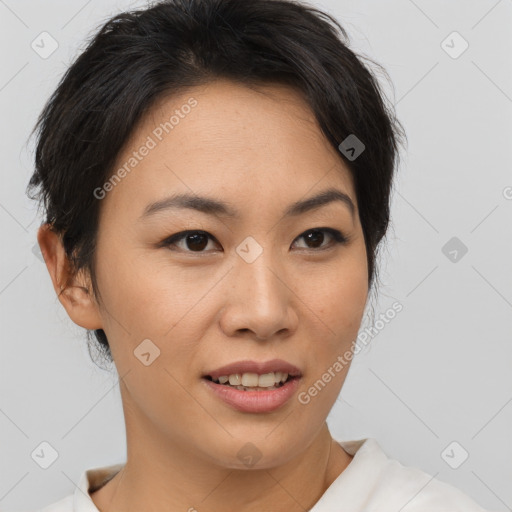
[337,236]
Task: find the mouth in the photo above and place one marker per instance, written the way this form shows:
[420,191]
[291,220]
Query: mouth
[252,381]
[252,386]
[250,375]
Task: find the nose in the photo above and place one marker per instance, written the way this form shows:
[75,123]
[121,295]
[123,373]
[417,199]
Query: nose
[259,302]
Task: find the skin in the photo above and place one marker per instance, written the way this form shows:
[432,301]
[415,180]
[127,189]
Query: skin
[259,151]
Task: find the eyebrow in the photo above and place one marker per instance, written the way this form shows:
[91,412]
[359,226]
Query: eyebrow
[213,206]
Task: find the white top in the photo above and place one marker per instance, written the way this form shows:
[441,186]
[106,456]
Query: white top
[372,482]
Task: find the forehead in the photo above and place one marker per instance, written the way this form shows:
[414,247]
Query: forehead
[230,117]
[230,138]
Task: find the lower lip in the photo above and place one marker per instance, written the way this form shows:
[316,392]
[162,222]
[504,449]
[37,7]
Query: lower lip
[254,401]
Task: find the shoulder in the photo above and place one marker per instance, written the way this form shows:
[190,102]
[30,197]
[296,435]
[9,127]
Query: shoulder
[418,491]
[63,505]
[90,480]
[377,482]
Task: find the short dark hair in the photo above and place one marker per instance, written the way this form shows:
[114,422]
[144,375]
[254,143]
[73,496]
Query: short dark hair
[138,57]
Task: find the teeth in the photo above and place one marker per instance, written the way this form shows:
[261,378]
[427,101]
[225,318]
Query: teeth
[263,381]
[266,380]
[250,379]
[235,379]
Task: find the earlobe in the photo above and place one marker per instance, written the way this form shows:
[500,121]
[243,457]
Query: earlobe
[73,290]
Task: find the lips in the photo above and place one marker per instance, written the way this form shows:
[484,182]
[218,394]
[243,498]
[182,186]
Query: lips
[247,366]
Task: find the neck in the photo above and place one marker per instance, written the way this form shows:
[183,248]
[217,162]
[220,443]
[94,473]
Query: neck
[164,474]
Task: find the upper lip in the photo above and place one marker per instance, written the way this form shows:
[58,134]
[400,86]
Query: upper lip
[247,366]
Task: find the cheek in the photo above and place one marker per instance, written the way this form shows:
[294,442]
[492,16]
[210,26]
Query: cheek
[337,295]
[141,293]
[147,299]
[336,307]
[337,301]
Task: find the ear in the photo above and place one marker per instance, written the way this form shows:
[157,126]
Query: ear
[74,291]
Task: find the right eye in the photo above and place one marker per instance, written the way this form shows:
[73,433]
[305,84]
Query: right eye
[193,241]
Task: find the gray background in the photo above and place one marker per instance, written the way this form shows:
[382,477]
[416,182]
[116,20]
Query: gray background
[438,372]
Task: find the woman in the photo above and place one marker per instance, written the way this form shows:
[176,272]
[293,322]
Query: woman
[216,177]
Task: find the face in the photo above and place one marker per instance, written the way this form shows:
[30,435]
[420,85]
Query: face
[187,289]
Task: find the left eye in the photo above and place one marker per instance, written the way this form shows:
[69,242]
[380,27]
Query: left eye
[196,241]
